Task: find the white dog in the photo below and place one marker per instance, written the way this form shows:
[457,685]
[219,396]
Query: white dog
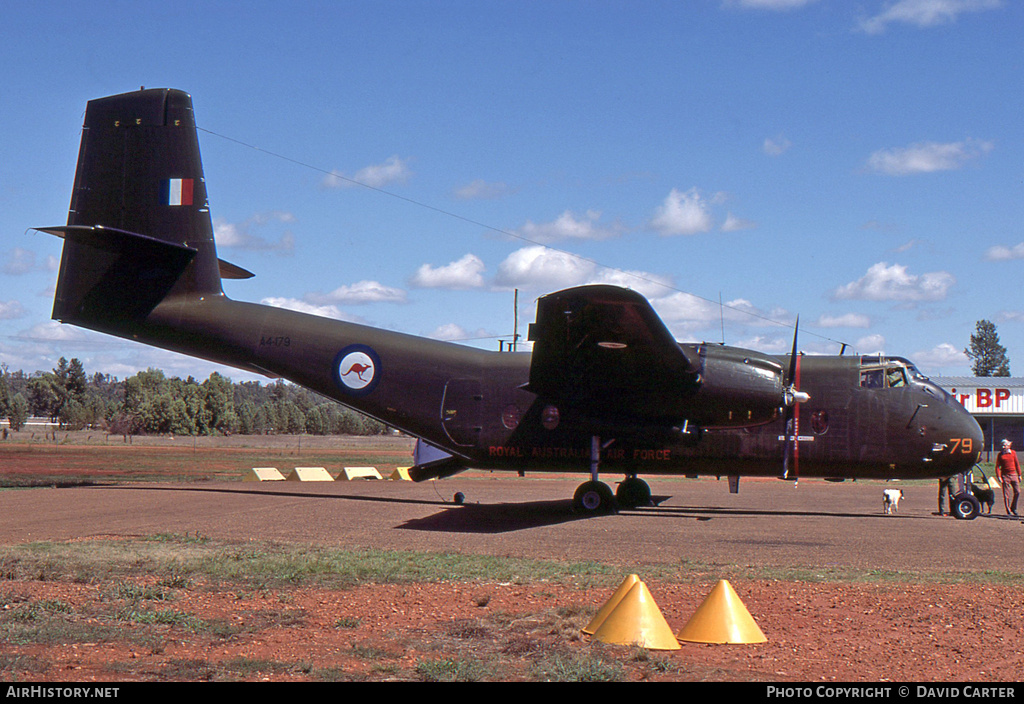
[891,500]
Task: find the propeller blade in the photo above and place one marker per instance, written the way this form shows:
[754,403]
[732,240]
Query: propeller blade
[792,354]
[791,424]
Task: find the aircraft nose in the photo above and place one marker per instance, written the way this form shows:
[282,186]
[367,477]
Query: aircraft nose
[976,434]
[966,440]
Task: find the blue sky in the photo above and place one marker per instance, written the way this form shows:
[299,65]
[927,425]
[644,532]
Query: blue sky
[859,164]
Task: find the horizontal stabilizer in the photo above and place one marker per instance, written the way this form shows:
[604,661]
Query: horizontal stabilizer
[233,271]
[126,276]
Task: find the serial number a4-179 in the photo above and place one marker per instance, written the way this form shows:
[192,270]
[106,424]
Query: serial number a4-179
[272,341]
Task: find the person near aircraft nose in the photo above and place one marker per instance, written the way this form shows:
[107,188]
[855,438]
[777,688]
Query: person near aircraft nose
[947,487]
[1008,474]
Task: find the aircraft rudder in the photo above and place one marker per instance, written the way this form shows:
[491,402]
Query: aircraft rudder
[138,207]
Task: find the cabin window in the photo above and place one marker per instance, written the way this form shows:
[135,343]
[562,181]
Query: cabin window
[872,379]
[510,416]
[819,422]
[549,417]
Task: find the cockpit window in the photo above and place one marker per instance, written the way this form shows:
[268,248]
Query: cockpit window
[912,369]
[894,378]
[879,373]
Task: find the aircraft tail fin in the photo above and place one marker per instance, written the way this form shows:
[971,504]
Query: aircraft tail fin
[139,227]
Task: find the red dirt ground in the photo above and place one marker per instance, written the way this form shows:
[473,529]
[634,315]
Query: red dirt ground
[816,632]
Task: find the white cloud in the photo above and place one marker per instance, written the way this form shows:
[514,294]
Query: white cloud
[393,170]
[927,157]
[646,284]
[907,246]
[925,13]
[358,293]
[324,311]
[19,261]
[872,344]
[939,358]
[685,307]
[776,146]
[240,235]
[449,332]
[883,282]
[682,214]
[735,224]
[465,273]
[1010,316]
[681,307]
[543,268]
[23,261]
[779,344]
[568,226]
[9,310]
[1001,253]
[773,5]
[849,320]
[53,331]
[482,190]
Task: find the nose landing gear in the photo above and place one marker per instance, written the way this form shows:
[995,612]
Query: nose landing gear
[964,505]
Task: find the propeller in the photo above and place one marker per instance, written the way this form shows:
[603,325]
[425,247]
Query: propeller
[791,427]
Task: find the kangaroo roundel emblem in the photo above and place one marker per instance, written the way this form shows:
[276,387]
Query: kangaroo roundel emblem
[357,369]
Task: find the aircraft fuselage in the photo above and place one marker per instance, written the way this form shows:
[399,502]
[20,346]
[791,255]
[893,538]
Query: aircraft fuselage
[473,404]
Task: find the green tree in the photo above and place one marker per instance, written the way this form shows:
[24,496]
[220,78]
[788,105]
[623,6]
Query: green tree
[315,422]
[219,401]
[71,378]
[5,394]
[988,357]
[17,412]
[46,395]
[72,415]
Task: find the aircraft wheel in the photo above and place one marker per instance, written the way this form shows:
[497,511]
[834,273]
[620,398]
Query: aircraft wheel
[633,492]
[966,508]
[593,498]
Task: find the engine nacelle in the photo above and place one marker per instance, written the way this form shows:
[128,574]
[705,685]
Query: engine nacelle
[738,388]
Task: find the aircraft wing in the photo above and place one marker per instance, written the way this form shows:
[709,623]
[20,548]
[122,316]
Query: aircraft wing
[605,347]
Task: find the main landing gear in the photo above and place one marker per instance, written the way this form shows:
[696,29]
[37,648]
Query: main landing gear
[595,497]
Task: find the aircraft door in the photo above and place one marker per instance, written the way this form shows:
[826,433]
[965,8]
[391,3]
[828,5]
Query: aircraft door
[462,411]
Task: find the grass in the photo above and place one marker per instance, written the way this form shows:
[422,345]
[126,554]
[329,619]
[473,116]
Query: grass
[145,615]
[137,585]
[178,560]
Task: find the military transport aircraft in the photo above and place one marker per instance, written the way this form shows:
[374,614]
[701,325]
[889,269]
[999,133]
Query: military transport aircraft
[605,388]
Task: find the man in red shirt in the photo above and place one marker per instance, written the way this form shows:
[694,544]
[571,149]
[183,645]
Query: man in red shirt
[1008,474]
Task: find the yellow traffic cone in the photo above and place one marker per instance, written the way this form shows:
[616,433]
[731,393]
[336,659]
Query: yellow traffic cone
[722,618]
[610,605]
[636,620]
